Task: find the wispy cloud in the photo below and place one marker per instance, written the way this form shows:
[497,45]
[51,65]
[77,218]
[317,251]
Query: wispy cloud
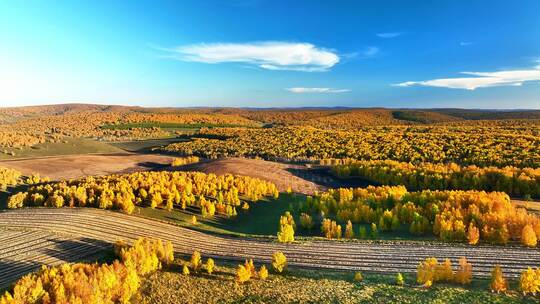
[369,52]
[481,79]
[270,55]
[317,90]
[465,43]
[388,35]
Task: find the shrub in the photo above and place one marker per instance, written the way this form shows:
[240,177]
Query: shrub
[286,230]
[498,282]
[349,233]
[529,281]
[443,272]
[330,229]
[362,232]
[196,261]
[374,231]
[180,161]
[358,277]
[430,271]
[242,274]
[400,281]
[279,262]
[17,200]
[210,265]
[144,255]
[464,273]
[306,221]
[248,264]
[185,270]
[528,236]
[473,234]
[263,273]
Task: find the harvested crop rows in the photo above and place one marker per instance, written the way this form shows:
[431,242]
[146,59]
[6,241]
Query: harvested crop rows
[34,234]
[25,251]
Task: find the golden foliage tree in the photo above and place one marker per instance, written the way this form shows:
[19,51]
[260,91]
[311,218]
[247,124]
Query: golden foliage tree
[306,221]
[349,233]
[473,234]
[279,261]
[528,236]
[286,229]
[529,281]
[210,265]
[358,277]
[196,261]
[463,274]
[498,282]
[242,274]
[263,273]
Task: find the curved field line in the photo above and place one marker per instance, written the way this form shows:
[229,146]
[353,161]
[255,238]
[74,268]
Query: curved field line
[52,236]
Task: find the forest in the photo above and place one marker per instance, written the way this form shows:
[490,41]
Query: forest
[260,199]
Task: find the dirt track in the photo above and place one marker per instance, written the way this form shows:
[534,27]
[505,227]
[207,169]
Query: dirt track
[38,236]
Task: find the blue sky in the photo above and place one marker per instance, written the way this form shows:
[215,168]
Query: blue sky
[256,53]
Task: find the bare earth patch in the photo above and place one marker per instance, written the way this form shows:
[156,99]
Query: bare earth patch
[75,166]
[280,174]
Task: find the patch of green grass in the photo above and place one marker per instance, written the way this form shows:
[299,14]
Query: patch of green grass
[67,147]
[261,219]
[307,286]
[146,145]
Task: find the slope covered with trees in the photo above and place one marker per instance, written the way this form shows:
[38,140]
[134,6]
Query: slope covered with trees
[519,182]
[512,145]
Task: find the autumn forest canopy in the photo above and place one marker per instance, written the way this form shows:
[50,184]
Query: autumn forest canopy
[460,179]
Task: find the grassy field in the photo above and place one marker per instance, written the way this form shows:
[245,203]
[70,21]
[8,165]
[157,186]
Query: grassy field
[144,146]
[308,286]
[67,147]
[261,220]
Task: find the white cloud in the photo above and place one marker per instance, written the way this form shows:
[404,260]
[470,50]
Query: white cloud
[317,90]
[465,43]
[482,79]
[270,55]
[388,35]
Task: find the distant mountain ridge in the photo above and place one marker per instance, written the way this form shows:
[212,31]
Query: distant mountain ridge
[302,115]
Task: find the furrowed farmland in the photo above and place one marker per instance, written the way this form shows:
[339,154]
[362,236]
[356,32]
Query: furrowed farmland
[399,205]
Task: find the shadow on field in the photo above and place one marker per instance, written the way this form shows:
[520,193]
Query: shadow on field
[76,250]
[152,165]
[324,178]
[11,271]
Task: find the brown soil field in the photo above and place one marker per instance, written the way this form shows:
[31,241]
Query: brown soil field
[29,238]
[283,175]
[75,166]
